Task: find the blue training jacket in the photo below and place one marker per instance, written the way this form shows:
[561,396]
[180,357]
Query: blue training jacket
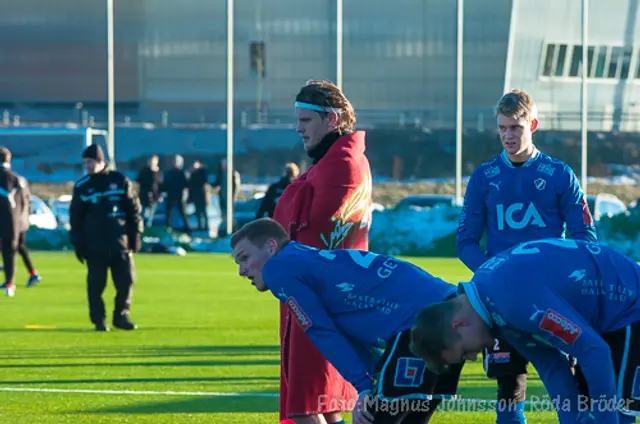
[552,296]
[518,204]
[351,302]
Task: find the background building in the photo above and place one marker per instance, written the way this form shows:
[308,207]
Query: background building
[399,59]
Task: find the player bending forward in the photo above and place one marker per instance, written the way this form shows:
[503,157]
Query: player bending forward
[547,298]
[353,305]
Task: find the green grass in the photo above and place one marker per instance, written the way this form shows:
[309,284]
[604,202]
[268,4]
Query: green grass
[202,329]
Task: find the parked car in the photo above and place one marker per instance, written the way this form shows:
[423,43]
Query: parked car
[244,211]
[426,201]
[41,215]
[213,213]
[605,204]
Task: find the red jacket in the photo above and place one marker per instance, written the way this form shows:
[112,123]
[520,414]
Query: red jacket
[328,207]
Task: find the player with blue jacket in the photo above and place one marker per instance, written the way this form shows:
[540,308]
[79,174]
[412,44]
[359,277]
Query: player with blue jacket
[521,195]
[352,305]
[546,298]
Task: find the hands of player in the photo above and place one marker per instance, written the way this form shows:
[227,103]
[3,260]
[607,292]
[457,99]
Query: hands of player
[360,414]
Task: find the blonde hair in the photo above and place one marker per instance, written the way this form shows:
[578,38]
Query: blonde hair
[291,170]
[517,104]
[259,231]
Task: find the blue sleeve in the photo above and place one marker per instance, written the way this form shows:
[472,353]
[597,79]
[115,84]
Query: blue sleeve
[553,323]
[574,208]
[471,224]
[313,318]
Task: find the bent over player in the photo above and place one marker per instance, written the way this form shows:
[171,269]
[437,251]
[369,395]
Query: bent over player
[521,195]
[546,298]
[351,304]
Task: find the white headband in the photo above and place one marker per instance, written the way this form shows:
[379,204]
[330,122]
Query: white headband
[317,108]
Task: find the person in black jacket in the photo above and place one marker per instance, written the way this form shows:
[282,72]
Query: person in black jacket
[175,183]
[149,179]
[15,208]
[275,190]
[105,232]
[199,194]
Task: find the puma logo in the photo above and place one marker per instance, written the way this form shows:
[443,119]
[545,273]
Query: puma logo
[496,185]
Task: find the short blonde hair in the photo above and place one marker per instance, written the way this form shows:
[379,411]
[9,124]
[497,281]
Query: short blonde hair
[291,170]
[259,231]
[517,104]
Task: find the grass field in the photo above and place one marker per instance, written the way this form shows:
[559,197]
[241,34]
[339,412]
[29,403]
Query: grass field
[204,334]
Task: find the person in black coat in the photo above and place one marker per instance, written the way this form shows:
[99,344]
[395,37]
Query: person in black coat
[275,190]
[106,230]
[199,194]
[150,180]
[15,209]
[176,181]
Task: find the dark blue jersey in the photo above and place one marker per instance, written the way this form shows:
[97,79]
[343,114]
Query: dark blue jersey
[551,296]
[349,302]
[513,205]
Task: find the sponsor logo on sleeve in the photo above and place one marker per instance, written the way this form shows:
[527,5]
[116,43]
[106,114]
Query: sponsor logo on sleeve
[560,326]
[301,317]
[500,357]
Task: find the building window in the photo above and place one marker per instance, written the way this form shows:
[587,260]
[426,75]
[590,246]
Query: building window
[560,60]
[576,62]
[603,62]
[614,62]
[548,60]
[625,63]
[602,59]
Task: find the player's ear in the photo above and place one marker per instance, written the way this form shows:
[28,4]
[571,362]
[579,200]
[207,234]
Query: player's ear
[272,246]
[534,125]
[332,118]
[457,323]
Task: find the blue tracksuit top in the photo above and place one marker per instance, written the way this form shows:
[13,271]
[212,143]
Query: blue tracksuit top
[551,296]
[513,205]
[351,302]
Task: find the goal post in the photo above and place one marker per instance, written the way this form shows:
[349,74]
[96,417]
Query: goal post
[50,154]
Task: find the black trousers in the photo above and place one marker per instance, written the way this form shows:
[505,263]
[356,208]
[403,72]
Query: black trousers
[401,382]
[9,250]
[182,210]
[122,268]
[624,345]
[201,215]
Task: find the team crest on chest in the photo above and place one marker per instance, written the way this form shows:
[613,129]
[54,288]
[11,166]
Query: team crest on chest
[540,183]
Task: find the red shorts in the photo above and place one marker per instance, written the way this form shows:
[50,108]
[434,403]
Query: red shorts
[309,384]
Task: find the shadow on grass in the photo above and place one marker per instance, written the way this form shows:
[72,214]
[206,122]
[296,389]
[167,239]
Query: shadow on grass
[141,352]
[248,380]
[203,363]
[205,405]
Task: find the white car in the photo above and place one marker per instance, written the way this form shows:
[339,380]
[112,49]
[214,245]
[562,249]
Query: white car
[605,204]
[41,216]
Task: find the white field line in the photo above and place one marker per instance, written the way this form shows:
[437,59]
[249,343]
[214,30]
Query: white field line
[213,394]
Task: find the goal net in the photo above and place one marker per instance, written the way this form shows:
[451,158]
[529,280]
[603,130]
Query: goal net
[50,154]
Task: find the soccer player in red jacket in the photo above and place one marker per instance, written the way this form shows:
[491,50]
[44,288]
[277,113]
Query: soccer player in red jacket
[327,207]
